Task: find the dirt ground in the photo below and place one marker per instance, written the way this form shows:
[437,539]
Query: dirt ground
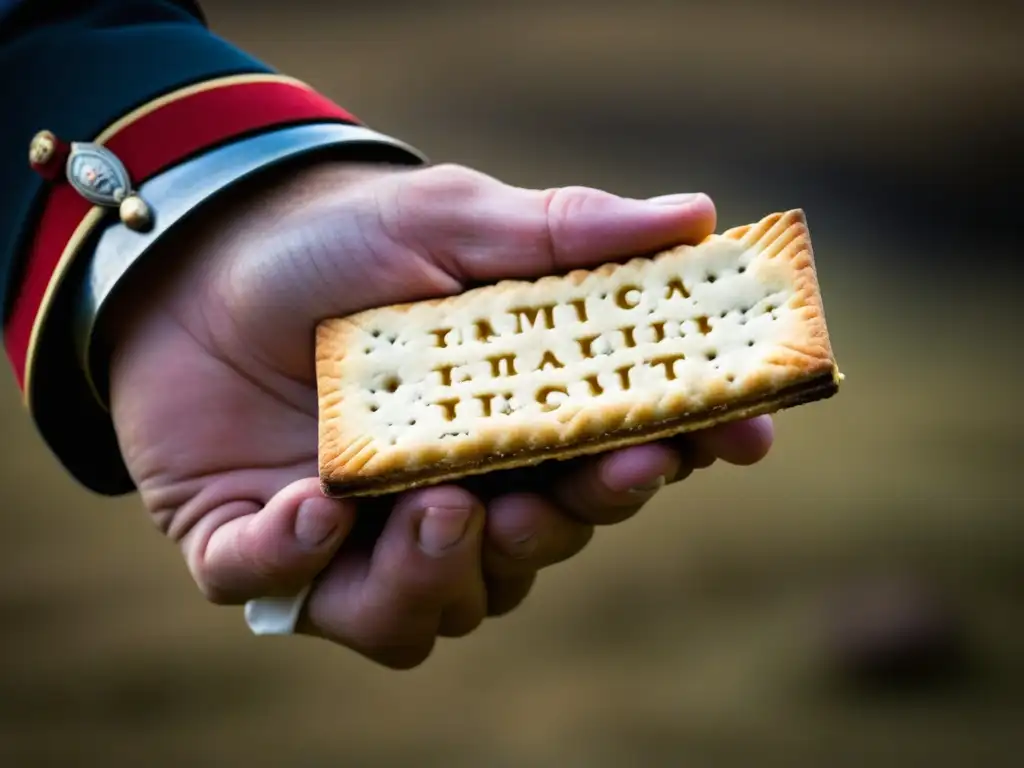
[698,633]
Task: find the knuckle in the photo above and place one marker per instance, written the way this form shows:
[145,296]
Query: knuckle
[583,536]
[211,592]
[502,606]
[420,201]
[561,207]
[564,204]
[448,183]
[267,564]
[426,590]
[395,636]
[505,596]
[569,544]
[428,598]
[550,543]
[267,557]
[463,623]
[264,563]
[205,577]
[403,657]
[451,177]
[461,628]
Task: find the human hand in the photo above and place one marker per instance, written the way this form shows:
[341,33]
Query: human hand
[214,398]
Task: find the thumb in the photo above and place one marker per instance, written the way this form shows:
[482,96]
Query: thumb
[242,551]
[373,240]
[504,232]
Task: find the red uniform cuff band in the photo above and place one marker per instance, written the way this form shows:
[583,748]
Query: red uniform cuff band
[178,193]
[151,139]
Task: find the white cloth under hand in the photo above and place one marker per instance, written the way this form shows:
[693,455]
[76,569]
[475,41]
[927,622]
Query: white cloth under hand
[275,615]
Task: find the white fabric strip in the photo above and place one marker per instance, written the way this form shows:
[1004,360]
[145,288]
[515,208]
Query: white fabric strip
[275,615]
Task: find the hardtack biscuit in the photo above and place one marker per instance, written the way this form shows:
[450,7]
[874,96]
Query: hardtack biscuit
[519,372]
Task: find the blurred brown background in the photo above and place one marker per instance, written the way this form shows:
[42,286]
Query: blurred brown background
[703,632]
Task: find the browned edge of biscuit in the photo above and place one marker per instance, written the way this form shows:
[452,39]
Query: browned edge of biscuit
[818,388]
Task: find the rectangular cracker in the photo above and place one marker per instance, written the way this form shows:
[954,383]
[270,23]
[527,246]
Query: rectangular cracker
[520,372]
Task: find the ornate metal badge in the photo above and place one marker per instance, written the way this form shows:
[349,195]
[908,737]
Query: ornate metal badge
[100,177]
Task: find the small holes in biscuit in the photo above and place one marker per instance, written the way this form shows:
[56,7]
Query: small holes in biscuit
[730,377]
[391,384]
[602,346]
[711,354]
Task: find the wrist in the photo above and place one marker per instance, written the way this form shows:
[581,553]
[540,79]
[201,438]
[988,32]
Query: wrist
[182,199]
[215,206]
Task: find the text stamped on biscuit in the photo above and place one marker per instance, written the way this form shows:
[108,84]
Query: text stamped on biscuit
[524,371]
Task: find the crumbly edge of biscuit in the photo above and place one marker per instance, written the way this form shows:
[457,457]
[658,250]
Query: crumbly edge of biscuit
[332,342]
[820,388]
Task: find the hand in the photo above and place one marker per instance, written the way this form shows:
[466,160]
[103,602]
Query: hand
[214,399]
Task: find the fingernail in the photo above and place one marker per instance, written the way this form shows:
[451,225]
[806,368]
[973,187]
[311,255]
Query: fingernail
[677,199]
[315,522]
[648,488]
[442,528]
[522,547]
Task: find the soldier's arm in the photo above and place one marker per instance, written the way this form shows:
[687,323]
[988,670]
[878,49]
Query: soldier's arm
[189,117]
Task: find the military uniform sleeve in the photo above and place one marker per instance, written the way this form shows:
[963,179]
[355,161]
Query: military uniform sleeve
[124,118]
